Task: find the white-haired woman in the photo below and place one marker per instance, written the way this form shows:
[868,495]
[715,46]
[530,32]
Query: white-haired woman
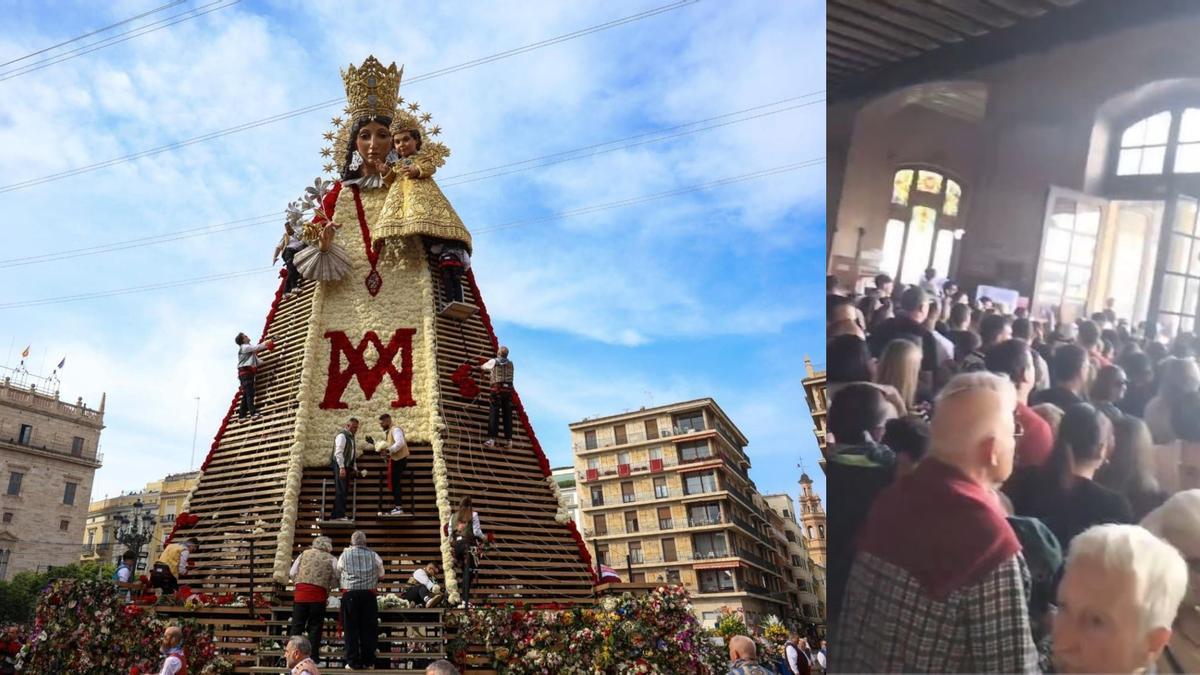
[1117,601]
[315,573]
[1178,522]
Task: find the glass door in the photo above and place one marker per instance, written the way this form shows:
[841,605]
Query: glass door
[1179,281]
[1070,232]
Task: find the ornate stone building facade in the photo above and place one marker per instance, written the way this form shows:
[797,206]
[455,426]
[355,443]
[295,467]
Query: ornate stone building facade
[48,457]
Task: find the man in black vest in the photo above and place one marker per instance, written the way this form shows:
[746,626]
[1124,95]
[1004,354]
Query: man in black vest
[342,464]
[501,371]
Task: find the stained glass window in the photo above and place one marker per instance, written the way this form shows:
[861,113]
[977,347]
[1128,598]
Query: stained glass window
[953,194]
[901,184]
[920,232]
[929,181]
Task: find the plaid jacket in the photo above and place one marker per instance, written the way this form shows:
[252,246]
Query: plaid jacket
[889,624]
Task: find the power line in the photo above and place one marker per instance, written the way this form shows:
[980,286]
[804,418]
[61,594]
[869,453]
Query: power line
[633,201]
[641,135]
[95,32]
[595,208]
[119,38]
[134,289]
[572,156]
[496,171]
[336,101]
[165,237]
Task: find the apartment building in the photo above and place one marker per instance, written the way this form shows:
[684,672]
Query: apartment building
[809,605]
[172,492]
[159,502]
[105,519]
[666,496]
[815,394]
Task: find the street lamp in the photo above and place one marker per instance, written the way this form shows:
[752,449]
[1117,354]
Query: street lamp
[135,530]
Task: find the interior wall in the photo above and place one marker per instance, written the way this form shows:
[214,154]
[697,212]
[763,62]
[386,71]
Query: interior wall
[1049,119]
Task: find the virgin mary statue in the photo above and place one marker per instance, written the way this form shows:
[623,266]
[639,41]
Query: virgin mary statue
[370,347]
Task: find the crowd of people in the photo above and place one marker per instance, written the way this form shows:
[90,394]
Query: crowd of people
[1014,493]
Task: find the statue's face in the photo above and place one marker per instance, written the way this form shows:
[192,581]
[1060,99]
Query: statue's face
[373,142]
[405,143]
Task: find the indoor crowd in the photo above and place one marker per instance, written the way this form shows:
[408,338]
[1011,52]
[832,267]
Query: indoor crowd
[1015,494]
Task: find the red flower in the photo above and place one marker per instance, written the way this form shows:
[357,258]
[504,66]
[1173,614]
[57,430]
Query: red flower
[135,671]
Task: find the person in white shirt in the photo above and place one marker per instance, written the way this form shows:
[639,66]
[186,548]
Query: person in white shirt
[423,587]
[343,468]
[794,651]
[501,371]
[361,568]
[172,649]
[248,363]
[823,657]
[395,448]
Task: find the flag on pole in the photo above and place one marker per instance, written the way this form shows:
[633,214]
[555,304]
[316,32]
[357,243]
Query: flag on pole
[25,354]
[608,574]
[62,363]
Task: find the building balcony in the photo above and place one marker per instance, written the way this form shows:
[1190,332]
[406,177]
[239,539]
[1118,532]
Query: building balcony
[637,437]
[716,590]
[638,498]
[745,525]
[97,550]
[656,466]
[54,451]
[756,589]
[746,554]
[707,520]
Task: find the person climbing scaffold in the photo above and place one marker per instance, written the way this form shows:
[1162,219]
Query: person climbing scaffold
[501,371]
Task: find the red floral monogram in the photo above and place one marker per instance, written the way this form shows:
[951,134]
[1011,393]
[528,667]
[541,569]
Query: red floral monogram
[369,378]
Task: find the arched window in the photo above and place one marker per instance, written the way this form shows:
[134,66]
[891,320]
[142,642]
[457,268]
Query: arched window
[1145,146]
[810,532]
[821,529]
[923,224]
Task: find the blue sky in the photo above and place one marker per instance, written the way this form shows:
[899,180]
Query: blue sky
[711,293]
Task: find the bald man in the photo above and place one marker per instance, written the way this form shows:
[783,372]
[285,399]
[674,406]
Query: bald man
[743,657]
[938,569]
[172,648]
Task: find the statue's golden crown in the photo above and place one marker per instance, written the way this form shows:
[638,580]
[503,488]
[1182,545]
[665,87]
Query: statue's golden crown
[372,89]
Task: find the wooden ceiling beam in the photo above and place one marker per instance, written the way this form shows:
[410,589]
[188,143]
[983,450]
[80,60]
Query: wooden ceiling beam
[914,23]
[880,26]
[1075,21]
[867,37]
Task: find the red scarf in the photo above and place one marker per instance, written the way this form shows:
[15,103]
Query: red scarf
[944,529]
